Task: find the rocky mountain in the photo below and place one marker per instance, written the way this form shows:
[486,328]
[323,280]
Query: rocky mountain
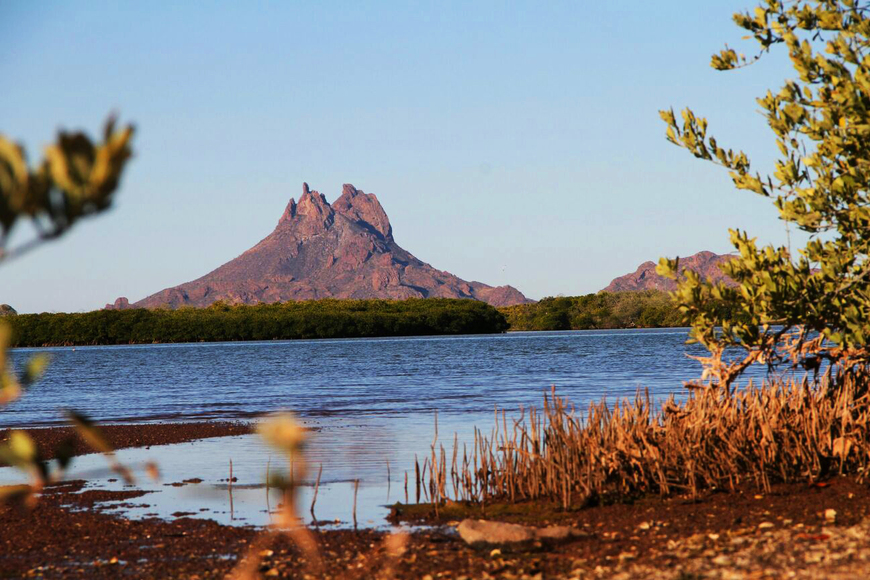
[321,250]
[6,310]
[645,278]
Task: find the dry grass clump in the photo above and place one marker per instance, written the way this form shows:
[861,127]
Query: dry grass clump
[780,431]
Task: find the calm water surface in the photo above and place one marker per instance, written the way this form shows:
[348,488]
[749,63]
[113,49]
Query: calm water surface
[372,400]
[396,377]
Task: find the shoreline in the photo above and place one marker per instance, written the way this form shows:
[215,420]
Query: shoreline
[346,338]
[127,435]
[324,318]
[743,533]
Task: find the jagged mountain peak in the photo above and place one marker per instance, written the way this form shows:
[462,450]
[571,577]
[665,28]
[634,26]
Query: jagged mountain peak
[359,207]
[321,250]
[365,209]
[313,205]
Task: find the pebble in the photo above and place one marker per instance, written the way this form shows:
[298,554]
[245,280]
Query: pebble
[780,552]
[722,560]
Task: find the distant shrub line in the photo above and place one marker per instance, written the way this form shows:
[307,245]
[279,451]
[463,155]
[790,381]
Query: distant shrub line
[326,318]
[331,318]
[644,309]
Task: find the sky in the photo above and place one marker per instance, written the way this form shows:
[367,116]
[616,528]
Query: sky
[509,142]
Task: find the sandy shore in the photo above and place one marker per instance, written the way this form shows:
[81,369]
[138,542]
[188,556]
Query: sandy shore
[742,534]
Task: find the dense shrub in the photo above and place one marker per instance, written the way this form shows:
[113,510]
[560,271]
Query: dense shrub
[220,322]
[647,309]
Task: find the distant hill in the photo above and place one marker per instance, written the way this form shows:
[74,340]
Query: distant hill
[6,310]
[320,250]
[706,264]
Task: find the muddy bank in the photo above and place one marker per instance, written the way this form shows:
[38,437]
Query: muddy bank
[815,531]
[60,539]
[726,535]
[795,531]
[136,435]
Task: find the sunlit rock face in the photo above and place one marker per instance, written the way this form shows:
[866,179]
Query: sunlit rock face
[706,264]
[321,250]
[119,304]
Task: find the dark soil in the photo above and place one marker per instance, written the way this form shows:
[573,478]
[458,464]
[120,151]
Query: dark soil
[649,523]
[58,538]
[67,536]
[718,510]
[141,435]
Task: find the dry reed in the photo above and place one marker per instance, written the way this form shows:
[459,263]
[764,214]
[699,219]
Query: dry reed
[316,489]
[780,431]
[230,489]
[355,491]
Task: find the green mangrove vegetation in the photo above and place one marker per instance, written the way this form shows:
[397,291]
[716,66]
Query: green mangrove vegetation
[333,318]
[645,309]
[792,305]
[328,318]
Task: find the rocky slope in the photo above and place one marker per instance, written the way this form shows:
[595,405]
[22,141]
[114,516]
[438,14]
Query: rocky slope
[321,250]
[645,278]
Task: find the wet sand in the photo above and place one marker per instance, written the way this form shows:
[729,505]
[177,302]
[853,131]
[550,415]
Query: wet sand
[135,435]
[742,534]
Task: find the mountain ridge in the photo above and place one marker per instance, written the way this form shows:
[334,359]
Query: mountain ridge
[705,263]
[320,250]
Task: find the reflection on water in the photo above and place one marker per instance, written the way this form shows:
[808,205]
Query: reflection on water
[374,401]
[348,450]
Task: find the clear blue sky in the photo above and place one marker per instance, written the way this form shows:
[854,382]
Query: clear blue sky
[510,143]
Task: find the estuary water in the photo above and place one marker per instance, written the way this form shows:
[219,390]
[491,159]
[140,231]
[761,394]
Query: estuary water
[372,403]
[402,378]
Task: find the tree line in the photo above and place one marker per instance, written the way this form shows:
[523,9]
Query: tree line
[644,309]
[328,318]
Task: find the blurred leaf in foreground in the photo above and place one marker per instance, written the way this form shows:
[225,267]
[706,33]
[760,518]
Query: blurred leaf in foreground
[77,178]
